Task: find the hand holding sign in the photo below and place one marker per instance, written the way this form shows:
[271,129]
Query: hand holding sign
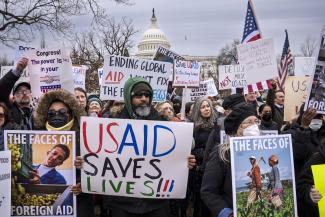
[307,117]
[22,64]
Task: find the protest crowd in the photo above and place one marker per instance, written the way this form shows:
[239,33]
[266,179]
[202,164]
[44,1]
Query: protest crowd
[155,144]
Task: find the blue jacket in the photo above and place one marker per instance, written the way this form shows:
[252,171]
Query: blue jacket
[52,177]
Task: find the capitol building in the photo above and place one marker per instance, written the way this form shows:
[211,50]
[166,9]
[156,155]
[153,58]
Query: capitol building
[154,36]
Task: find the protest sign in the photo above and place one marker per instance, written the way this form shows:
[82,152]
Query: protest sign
[135,158]
[118,69]
[5,183]
[100,72]
[186,73]
[316,87]
[23,78]
[166,55]
[232,76]
[46,190]
[259,60]
[304,66]
[319,175]
[79,76]
[49,70]
[263,181]
[296,94]
[206,88]
[224,137]
[20,51]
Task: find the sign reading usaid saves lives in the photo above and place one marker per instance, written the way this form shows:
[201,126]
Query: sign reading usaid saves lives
[118,69]
[135,158]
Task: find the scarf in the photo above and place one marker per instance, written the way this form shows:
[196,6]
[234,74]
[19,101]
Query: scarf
[68,126]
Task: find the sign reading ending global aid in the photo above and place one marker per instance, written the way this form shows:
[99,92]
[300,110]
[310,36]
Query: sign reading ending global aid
[118,69]
[135,158]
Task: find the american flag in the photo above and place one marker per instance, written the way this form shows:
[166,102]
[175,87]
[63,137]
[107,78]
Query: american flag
[251,30]
[285,62]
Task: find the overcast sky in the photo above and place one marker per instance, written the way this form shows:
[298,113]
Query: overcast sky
[210,24]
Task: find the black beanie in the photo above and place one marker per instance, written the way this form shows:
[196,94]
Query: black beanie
[236,117]
[141,87]
[233,100]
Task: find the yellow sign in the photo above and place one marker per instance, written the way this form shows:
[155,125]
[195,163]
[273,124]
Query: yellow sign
[319,177]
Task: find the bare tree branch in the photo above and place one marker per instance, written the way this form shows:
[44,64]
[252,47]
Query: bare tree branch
[308,47]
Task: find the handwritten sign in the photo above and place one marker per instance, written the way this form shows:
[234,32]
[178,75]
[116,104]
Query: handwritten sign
[50,70]
[304,66]
[186,73]
[79,76]
[232,76]
[296,94]
[118,69]
[207,88]
[5,183]
[100,73]
[135,158]
[259,60]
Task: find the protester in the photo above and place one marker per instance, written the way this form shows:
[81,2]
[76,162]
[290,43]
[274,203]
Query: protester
[5,123]
[256,184]
[275,99]
[188,111]
[166,111]
[203,118]
[81,96]
[59,110]
[267,123]
[94,106]
[21,109]
[216,190]
[45,173]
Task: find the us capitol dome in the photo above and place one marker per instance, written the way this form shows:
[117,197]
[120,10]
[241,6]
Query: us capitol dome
[151,39]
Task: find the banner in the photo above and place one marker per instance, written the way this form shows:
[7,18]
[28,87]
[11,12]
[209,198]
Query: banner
[232,76]
[118,69]
[224,137]
[207,88]
[43,172]
[316,87]
[186,73]
[79,76]
[296,94]
[319,175]
[166,55]
[263,181]
[5,183]
[259,60]
[49,70]
[304,66]
[135,158]
[23,78]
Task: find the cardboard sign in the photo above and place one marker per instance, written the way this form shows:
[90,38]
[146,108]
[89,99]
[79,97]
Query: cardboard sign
[304,66]
[224,137]
[79,76]
[186,73]
[207,88]
[319,175]
[257,185]
[259,60]
[50,155]
[295,95]
[49,70]
[5,183]
[316,88]
[118,69]
[135,158]
[232,76]
[166,55]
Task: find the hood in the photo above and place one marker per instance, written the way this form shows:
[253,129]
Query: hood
[40,115]
[128,86]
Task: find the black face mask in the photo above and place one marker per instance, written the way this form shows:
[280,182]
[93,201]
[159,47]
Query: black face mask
[58,120]
[267,116]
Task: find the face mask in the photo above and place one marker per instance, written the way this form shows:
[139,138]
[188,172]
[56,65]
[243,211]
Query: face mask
[252,130]
[267,116]
[58,120]
[315,124]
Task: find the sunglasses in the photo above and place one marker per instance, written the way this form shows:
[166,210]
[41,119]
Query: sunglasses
[61,111]
[140,94]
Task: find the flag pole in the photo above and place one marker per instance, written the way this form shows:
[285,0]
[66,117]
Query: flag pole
[254,13]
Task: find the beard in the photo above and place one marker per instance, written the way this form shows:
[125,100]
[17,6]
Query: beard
[142,111]
[24,101]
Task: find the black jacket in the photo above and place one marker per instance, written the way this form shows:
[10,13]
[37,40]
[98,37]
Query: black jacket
[277,113]
[306,207]
[216,189]
[130,204]
[269,125]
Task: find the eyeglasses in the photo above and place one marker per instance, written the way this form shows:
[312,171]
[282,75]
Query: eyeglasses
[140,94]
[2,115]
[251,122]
[52,112]
[20,92]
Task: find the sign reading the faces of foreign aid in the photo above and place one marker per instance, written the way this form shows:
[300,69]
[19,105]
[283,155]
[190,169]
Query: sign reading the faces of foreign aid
[135,158]
[42,172]
[263,181]
[118,69]
[5,183]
